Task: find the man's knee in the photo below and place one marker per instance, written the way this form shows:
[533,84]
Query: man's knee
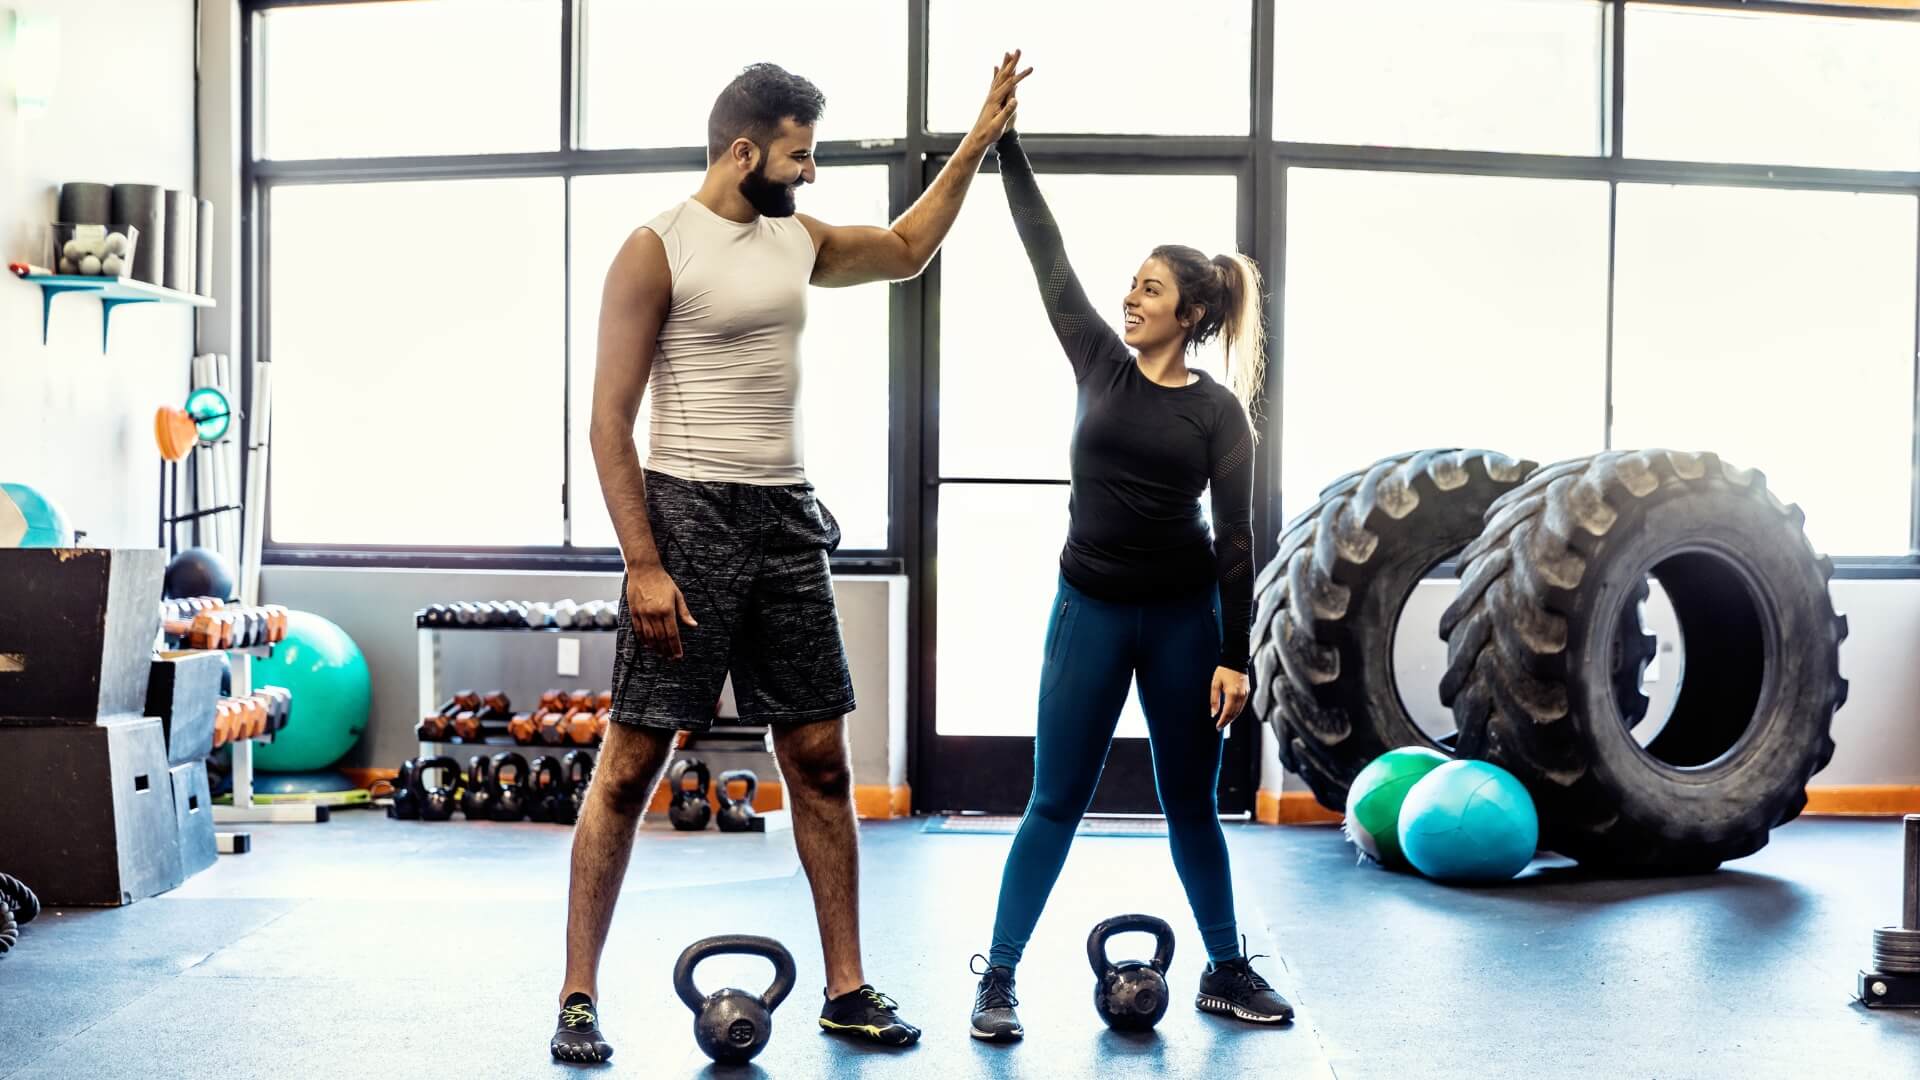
[630,766]
[814,760]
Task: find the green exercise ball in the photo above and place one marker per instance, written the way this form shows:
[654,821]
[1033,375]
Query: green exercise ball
[1373,802]
[332,695]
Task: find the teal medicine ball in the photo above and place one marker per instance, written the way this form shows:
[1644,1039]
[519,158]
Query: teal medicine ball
[1469,821]
[30,519]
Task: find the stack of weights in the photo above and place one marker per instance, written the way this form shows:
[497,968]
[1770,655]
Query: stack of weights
[463,717]
[206,622]
[580,718]
[262,712]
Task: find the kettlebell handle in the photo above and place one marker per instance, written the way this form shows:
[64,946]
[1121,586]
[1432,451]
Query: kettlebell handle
[726,797]
[500,763]
[544,774]
[679,772]
[1120,924]
[449,770]
[576,768]
[729,944]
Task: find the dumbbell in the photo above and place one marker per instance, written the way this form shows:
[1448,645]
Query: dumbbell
[522,728]
[551,727]
[279,706]
[538,615]
[223,714]
[439,727]
[608,616]
[601,720]
[565,613]
[276,623]
[580,725]
[254,708]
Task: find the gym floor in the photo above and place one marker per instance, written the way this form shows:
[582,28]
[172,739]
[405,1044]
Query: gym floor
[366,946]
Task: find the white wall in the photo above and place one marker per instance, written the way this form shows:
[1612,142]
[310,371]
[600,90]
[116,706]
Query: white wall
[375,608]
[74,423]
[1876,734]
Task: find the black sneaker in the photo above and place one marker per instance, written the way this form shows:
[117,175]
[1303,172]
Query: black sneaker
[993,1017]
[867,1013]
[578,1038]
[1234,989]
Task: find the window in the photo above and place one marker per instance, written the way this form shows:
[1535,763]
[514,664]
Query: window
[1120,67]
[1776,328]
[1772,88]
[1006,392]
[999,569]
[415,334]
[1523,76]
[378,79]
[1433,310]
[844,351]
[653,70]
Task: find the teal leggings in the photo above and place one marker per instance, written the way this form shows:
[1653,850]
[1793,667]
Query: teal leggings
[1095,650]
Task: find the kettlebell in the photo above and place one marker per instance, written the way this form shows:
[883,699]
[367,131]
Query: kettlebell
[543,788]
[689,811]
[477,802]
[731,1025]
[507,787]
[1131,995]
[406,803]
[576,772]
[736,815]
[437,802]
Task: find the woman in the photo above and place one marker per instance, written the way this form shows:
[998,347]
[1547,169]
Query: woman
[1145,592]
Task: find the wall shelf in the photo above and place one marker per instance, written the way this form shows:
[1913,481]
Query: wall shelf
[112,292]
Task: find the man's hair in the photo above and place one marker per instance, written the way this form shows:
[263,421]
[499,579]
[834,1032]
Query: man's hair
[754,104]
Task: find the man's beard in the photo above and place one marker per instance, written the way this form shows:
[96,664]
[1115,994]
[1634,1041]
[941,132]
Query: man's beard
[768,198]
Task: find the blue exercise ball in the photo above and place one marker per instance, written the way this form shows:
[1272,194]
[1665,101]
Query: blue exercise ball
[199,572]
[29,519]
[1469,821]
[332,695]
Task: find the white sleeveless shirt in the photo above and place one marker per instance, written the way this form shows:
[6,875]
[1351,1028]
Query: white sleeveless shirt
[726,371]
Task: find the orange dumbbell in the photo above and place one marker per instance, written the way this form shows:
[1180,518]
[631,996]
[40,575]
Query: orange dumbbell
[466,726]
[601,720]
[522,728]
[605,700]
[580,727]
[551,727]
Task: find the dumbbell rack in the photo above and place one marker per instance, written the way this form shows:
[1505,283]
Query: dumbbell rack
[494,736]
[244,810]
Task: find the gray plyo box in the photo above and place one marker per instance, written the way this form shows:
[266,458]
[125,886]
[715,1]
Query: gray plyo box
[184,692]
[193,817]
[77,632]
[89,812]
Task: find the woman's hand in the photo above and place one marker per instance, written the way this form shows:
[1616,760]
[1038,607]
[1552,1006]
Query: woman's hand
[1229,696]
[996,115]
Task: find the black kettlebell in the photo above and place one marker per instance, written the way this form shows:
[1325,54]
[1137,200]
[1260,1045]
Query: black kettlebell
[731,1025]
[437,802]
[476,802]
[543,788]
[1131,995]
[576,772]
[507,787]
[689,811]
[736,815]
[406,801]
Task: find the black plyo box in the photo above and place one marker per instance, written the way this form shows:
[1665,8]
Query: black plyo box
[184,691]
[77,628]
[89,812]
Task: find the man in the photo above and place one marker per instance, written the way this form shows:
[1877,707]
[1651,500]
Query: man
[725,546]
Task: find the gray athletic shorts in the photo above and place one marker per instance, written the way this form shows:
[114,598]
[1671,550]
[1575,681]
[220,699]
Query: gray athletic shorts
[752,562]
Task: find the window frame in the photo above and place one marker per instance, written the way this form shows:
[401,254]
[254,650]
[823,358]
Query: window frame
[1257,158]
